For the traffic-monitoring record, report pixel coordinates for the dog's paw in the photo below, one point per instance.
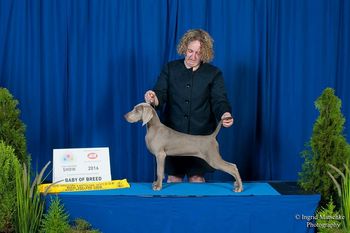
(156, 186)
(238, 187)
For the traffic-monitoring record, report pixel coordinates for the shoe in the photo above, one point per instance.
(196, 179)
(174, 179)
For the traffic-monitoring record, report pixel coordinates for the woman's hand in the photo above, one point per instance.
(227, 119)
(151, 98)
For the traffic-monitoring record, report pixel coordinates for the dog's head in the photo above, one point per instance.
(141, 112)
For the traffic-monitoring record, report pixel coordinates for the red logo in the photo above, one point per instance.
(92, 156)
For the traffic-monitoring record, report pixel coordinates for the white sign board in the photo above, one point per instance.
(80, 165)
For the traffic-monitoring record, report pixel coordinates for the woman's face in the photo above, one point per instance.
(193, 54)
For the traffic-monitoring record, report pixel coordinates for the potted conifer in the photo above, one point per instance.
(326, 146)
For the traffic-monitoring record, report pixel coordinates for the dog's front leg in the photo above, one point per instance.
(160, 158)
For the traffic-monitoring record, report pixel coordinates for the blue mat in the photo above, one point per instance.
(186, 190)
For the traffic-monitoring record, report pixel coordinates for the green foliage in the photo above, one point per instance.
(56, 219)
(345, 199)
(326, 146)
(12, 130)
(328, 219)
(30, 204)
(344, 193)
(82, 226)
(8, 161)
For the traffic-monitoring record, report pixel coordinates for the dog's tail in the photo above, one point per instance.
(218, 127)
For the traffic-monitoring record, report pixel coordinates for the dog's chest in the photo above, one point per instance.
(150, 140)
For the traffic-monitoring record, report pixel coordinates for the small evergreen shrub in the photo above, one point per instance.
(82, 226)
(328, 219)
(12, 129)
(56, 219)
(8, 161)
(326, 146)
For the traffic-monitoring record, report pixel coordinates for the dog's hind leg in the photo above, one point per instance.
(160, 158)
(230, 168)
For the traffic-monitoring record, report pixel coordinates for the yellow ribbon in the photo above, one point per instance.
(58, 188)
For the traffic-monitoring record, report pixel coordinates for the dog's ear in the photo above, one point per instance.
(147, 115)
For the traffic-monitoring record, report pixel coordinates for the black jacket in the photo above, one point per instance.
(193, 101)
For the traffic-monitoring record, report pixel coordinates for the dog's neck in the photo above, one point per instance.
(155, 121)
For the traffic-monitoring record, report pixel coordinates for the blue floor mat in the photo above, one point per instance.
(185, 190)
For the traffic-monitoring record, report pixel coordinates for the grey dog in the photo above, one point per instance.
(162, 141)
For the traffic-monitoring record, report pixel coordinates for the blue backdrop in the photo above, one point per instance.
(78, 66)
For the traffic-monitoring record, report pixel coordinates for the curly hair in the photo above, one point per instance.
(207, 52)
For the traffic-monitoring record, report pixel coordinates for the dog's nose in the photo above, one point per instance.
(126, 117)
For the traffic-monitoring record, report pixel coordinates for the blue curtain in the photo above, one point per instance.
(78, 66)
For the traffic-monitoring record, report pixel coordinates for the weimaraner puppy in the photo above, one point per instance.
(162, 141)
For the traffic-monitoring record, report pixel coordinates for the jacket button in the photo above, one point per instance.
(186, 116)
(187, 101)
(188, 85)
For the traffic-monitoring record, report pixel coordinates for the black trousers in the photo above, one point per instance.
(186, 165)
